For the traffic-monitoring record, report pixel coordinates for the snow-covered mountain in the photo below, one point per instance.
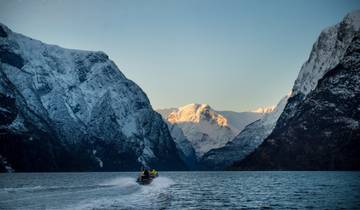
(245, 142)
(319, 128)
(240, 120)
(206, 128)
(326, 53)
(65, 109)
(265, 109)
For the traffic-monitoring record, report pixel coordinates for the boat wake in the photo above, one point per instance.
(119, 182)
(127, 194)
(113, 193)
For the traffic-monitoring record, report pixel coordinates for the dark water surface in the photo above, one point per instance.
(182, 190)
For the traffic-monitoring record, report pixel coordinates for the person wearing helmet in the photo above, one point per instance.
(146, 174)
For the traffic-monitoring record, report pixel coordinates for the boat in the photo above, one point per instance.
(146, 180)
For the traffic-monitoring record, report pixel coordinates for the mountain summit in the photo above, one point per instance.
(202, 126)
(206, 128)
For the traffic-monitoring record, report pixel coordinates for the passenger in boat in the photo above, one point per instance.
(146, 174)
(153, 173)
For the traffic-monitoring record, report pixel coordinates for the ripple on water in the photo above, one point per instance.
(182, 190)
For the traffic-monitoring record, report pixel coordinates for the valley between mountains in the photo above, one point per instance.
(74, 110)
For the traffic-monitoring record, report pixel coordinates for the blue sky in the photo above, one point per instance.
(233, 55)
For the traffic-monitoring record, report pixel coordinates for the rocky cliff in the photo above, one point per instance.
(73, 110)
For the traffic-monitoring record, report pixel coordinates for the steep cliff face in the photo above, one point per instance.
(323, 131)
(245, 142)
(326, 53)
(65, 109)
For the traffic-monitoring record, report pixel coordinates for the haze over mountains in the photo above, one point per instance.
(73, 110)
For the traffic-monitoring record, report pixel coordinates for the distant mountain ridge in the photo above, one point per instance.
(245, 142)
(264, 110)
(206, 128)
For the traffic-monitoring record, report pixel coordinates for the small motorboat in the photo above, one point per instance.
(146, 177)
(144, 181)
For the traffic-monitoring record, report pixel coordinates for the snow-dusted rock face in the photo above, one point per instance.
(326, 53)
(206, 128)
(245, 142)
(324, 131)
(76, 105)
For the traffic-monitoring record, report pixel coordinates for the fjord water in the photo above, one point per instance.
(181, 190)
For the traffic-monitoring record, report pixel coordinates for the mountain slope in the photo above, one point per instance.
(184, 146)
(245, 142)
(319, 129)
(326, 53)
(68, 109)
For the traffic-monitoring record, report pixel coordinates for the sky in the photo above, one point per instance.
(231, 54)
